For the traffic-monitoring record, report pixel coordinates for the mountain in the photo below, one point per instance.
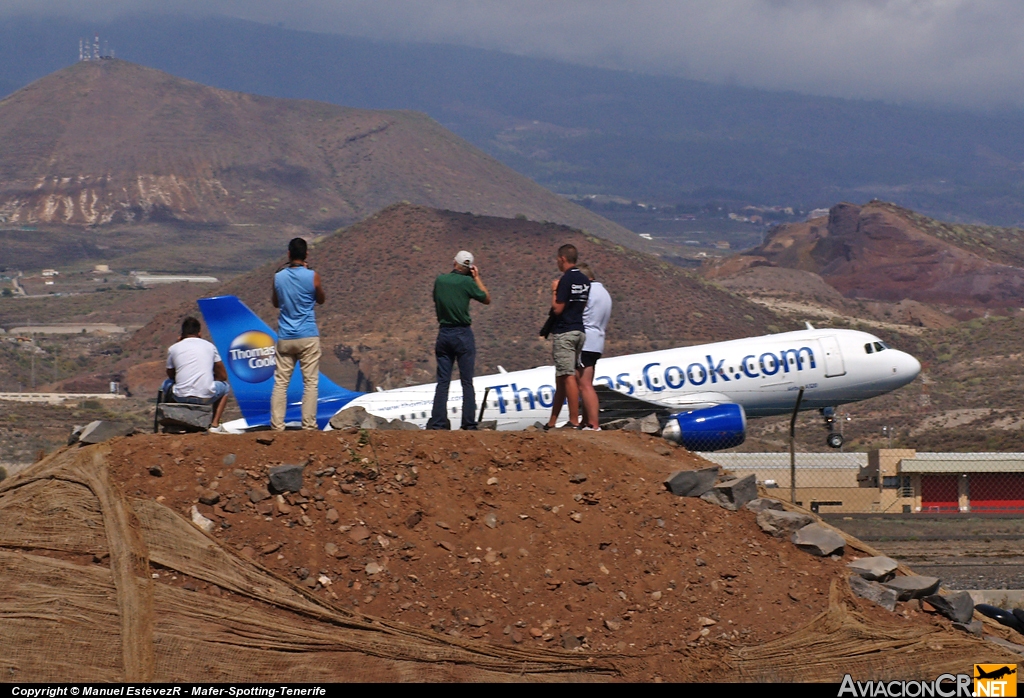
(579, 130)
(108, 143)
(379, 317)
(886, 253)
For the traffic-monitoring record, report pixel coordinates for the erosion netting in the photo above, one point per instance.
(78, 601)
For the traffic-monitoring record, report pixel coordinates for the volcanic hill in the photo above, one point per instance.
(378, 276)
(109, 142)
(886, 253)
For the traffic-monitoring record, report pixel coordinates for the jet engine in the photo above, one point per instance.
(708, 429)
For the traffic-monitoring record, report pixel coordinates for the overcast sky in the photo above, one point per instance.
(959, 52)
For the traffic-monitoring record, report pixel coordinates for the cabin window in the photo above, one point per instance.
(402, 417)
(423, 415)
(640, 383)
(453, 410)
(868, 349)
(655, 381)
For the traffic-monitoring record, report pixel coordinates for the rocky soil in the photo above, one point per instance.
(559, 538)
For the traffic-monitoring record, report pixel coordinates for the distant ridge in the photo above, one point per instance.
(111, 142)
(882, 252)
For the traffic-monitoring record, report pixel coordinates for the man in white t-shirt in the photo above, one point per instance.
(197, 372)
(595, 319)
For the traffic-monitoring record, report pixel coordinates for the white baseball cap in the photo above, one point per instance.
(464, 258)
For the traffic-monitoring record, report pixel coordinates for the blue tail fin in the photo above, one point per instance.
(246, 346)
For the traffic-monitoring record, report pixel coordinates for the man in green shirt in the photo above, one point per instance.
(455, 343)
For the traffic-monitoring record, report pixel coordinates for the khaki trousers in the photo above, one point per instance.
(307, 352)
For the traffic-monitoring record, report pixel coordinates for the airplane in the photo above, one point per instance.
(995, 673)
(703, 394)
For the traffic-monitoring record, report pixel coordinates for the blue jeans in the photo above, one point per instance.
(220, 389)
(454, 344)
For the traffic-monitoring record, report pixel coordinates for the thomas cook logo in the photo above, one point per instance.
(251, 356)
(995, 680)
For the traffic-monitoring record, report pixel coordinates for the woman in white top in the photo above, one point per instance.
(595, 320)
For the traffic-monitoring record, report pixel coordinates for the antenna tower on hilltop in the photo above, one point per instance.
(90, 51)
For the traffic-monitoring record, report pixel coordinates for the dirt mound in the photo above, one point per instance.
(379, 317)
(445, 556)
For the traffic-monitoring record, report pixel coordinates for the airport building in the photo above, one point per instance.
(892, 481)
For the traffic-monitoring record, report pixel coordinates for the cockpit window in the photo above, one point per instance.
(879, 346)
(868, 349)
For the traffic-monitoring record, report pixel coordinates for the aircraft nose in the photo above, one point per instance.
(906, 367)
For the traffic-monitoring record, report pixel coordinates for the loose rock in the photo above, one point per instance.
(182, 417)
(650, 424)
(349, 418)
(780, 524)
(201, 522)
(691, 483)
(570, 641)
(732, 494)
(286, 478)
(818, 540)
(763, 503)
(359, 534)
(913, 587)
(975, 627)
(878, 568)
(957, 606)
(873, 591)
(156, 471)
(99, 431)
(209, 497)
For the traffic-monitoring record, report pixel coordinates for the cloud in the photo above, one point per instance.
(959, 52)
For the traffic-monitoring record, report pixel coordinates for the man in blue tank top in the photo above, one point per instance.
(296, 290)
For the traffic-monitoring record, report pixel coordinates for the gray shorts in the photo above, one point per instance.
(566, 348)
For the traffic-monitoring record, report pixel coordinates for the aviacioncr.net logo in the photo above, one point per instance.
(252, 357)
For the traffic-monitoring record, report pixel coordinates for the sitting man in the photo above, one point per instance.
(197, 373)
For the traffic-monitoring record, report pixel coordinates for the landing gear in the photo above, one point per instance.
(834, 438)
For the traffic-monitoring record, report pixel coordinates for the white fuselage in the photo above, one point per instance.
(763, 374)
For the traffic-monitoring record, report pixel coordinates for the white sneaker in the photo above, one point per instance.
(590, 428)
(219, 429)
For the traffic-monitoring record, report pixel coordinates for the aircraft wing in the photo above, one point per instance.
(616, 405)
